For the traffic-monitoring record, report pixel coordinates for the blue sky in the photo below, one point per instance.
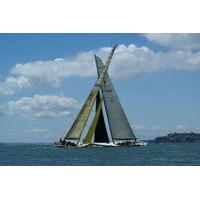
(45, 78)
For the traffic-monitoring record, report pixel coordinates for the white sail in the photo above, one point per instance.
(118, 122)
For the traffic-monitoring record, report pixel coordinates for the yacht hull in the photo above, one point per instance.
(95, 144)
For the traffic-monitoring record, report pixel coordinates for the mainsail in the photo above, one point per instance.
(118, 122)
(78, 126)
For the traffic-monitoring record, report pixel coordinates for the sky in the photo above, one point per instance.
(45, 79)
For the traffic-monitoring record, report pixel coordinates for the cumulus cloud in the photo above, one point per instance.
(176, 40)
(12, 84)
(40, 106)
(128, 61)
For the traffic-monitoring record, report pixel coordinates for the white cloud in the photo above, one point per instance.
(54, 71)
(40, 107)
(176, 40)
(12, 84)
(132, 60)
(128, 61)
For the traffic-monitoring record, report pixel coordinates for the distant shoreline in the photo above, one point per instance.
(178, 138)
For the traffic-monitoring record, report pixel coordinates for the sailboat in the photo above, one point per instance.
(120, 134)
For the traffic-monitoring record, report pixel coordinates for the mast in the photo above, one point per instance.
(79, 124)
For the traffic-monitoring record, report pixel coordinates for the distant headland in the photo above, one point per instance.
(179, 137)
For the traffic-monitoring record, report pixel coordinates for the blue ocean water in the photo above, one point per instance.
(47, 154)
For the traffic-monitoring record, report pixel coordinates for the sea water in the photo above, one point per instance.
(47, 154)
